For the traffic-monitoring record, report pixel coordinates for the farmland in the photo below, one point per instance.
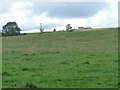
(75, 59)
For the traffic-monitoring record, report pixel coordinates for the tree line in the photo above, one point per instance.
(12, 29)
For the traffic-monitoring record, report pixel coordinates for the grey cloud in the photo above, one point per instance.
(69, 9)
(61, 9)
(49, 26)
(45, 26)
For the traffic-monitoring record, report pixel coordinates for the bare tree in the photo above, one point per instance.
(41, 28)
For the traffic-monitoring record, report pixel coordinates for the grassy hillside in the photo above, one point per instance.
(61, 59)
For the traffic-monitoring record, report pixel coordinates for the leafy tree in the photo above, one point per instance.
(68, 27)
(54, 30)
(10, 29)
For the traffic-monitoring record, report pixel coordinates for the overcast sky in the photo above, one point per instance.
(29, 15)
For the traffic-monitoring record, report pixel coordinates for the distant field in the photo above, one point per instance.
(61, 60)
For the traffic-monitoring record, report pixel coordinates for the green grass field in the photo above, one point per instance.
(86, 59)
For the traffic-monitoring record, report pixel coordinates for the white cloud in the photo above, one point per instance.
(103, 18)
(19, 12)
